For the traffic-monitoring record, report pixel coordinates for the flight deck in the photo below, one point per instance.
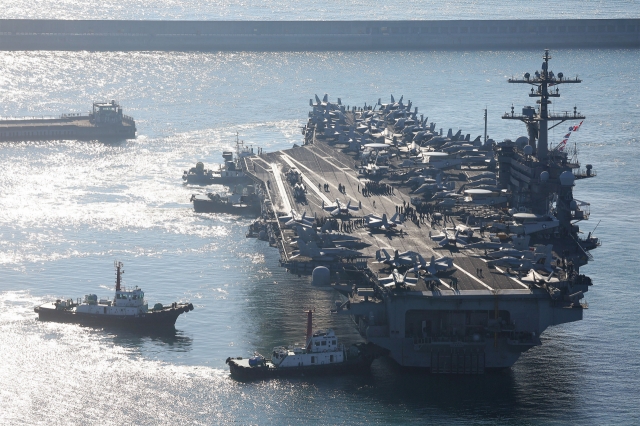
(320, 164)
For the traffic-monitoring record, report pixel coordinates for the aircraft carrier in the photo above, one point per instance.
(452, 254)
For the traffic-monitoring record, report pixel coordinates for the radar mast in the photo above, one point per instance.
(537, 121)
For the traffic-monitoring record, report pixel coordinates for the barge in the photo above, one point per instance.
(105, 122)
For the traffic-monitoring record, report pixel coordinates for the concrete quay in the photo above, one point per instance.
(130, 35)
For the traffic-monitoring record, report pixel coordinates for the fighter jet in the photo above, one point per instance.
(544, 257)
(419, 180)
(483, 175)
(464, 228)
(445, 238)
(488, 245)
(398, 260)
(325, 238)
(515, 263)
(319, 103)
(339, 208)
(447, 203)
(434, 266)
(536, 278)
(374, 222)
(312, 250)
(507, 252)
(295, 218)
(399, 280)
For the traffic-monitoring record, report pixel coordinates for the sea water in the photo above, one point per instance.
(68, 209)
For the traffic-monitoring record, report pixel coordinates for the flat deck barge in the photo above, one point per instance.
(106, 121)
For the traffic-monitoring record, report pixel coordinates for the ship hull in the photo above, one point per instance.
(231, 181)
(207, 179)
(63, 129)
(241, 370)
(209, 206)
(152, 320)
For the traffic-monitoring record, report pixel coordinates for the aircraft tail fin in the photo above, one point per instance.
(302, 234)
(386, 254)
(304, 249)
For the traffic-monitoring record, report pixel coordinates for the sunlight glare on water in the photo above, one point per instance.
(317, 10)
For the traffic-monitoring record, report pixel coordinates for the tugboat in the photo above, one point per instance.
(244, 201)
(320, 355)
(231, 173)
(198, 175)
(128, 309)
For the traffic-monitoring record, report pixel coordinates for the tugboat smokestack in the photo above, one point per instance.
(309, 325)
(119, 273)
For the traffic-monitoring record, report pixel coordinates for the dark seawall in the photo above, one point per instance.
(113, 35)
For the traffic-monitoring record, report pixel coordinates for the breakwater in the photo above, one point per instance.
(125, 35)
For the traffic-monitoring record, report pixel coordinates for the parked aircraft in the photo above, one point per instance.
(295, 218)
(398, 260)
(339, 208)
(434, 266)
(444, 238)
(399, 280)
(312, 250)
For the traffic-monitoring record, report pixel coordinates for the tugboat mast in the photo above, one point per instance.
(537, 122)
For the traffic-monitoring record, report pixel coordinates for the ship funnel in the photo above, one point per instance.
(119, 273)
(309, 325)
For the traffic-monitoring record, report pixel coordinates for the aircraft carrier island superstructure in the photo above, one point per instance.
(105, 121)
(452, 254)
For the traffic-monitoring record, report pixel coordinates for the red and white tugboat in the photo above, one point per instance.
(128, 310)
(320, 355)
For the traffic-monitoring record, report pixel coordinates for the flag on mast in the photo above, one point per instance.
(563, 144)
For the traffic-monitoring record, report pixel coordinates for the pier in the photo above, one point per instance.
(129, 35)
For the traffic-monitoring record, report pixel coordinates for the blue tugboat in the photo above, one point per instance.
(128, 310)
